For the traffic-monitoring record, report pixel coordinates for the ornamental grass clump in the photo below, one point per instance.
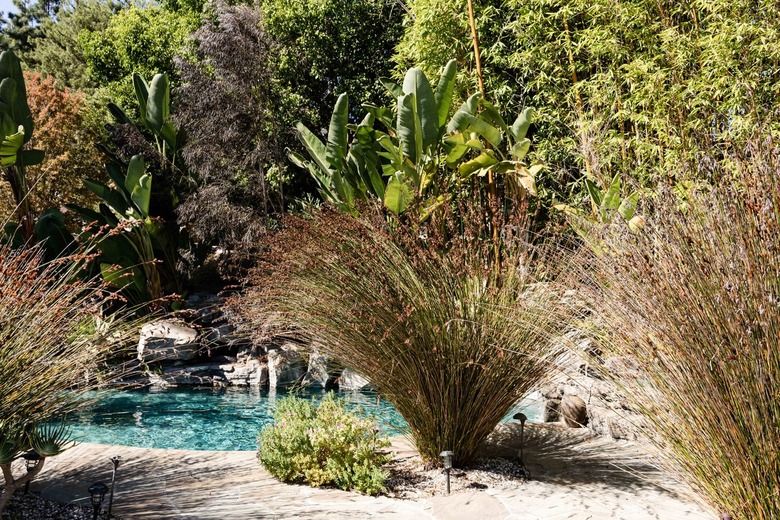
(53, 347)
(323, 446)
(452, 344)
(692, 305)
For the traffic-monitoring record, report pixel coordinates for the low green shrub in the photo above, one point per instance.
(326, 445)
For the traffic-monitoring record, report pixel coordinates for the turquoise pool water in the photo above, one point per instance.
(209, 418)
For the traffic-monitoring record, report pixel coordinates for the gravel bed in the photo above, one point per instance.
(410, 479)
(33, 507)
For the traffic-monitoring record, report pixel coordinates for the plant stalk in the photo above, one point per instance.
(491, 180)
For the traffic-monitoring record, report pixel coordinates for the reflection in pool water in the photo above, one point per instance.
(202, 418)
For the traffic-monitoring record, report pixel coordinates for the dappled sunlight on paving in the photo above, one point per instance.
(574, 476)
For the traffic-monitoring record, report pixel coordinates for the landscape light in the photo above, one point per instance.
(446, 458)
(31, 460)
(522, 418)
(96, 493)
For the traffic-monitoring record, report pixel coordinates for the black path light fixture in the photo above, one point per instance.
(97, 492)
(31, 461)
(522, 418)
(446, 459)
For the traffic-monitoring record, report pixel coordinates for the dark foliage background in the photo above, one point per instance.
(223, 106)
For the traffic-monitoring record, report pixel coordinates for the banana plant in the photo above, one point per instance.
(135, 253)
(154, 105)
(46, 440)
(606, 206)
(16, 127)
(415, 146)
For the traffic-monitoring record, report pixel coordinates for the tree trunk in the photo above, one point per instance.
(11, 484)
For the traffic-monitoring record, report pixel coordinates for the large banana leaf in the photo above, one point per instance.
(444, 91)
(337, 134)
(464, 122)
(158, 105)
(490, 115)
(520, 127)
(10, 146)
(520, 149)
(398, 194)
(11, 69)
(33, 157)
(482, 162)
(367, 160)
(459, 147)
(113, 198)
(628, 206)
(425, 108)
(141, 88)
(595, 195)
(407, 127)
(139, 184)
(317, 151)
(52, 231)
(392, 87)
(611, 200)
(135, 169)
(142, 193)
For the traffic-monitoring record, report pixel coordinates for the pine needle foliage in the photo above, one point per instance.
(691, 306)
(450, 347)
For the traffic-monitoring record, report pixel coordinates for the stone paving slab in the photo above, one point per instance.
(575, 476)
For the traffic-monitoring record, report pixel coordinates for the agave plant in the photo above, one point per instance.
(46, 440)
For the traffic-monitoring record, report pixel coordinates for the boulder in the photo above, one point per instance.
(248, 373)
(166, 340)
(351, 380)
(286, 366)
(251, 373)
(574, 411)
(551, 410)
(322, 372)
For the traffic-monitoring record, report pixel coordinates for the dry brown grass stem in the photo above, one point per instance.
(692, 305)
(53, 341)
(451, 349)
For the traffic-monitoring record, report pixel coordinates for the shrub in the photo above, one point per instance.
(448, 344)
(327, 445)
(691, 304)
(51, 351)
(70, 155)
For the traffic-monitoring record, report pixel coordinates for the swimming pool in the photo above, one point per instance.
(205, 418)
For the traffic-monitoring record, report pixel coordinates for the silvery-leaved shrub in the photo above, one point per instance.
(325, 445)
